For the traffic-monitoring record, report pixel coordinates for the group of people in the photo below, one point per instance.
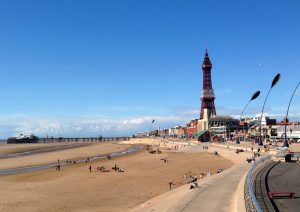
(58, 165)
(205, 147)
(70, 161)
(194, 182)
(102, 169)
(238, 151)
(117, 169)
(219, 171)
(164, 159)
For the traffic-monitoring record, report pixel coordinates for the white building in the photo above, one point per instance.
(292, 131)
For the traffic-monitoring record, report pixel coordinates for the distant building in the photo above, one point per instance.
(224, 126)
(141, 134)
(163, 133)
(22, 138)
(266, 121)
(191, 128)
(153, 133)
(172, 132)
(287, 122)
(182, 132)
(292, 131)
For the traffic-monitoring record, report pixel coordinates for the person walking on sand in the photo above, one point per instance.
(170, 184)
(90, 168)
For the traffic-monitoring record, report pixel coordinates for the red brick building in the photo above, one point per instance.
(191, 128)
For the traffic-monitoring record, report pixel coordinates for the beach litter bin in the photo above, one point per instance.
(288, 158)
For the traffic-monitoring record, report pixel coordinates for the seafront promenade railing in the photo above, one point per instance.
(91, 139)
(251, 202)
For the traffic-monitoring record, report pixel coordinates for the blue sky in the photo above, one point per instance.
(84, 68)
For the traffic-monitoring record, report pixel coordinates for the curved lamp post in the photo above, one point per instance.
(254, 96)
(287, 113)
(274, 82)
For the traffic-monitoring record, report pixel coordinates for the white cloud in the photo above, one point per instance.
(83, 126)
(118, 126)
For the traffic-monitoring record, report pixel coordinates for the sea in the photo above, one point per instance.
(2, 141)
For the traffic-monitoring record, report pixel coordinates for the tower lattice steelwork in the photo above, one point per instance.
(207, 94)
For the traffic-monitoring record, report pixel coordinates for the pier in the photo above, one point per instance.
(90, 139)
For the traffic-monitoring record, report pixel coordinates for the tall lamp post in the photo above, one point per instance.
(152, 127)
(287, 113)
(254, 96)
(274, 82)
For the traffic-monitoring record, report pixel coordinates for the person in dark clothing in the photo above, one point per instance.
(170, 184)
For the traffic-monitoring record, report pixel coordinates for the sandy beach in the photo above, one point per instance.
(74, 188)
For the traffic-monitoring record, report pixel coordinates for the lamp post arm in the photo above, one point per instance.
(287, 113)
(262, 111)
(244, 110)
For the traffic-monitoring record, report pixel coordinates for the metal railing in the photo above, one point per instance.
(251, 203)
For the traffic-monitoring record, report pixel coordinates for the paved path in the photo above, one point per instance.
(219, 194)
(216, 193)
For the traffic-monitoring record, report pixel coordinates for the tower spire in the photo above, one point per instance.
(207, 94)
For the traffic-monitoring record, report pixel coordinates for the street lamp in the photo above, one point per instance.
(254, 96)
(274, 82)
(287, 113)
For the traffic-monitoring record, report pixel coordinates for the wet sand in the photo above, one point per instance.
(74, 188)
(41, 149)
(15, 148)
(52, 157)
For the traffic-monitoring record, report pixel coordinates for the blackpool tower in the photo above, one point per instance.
(207, 94)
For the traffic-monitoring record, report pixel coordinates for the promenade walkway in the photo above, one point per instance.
(216, 193)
